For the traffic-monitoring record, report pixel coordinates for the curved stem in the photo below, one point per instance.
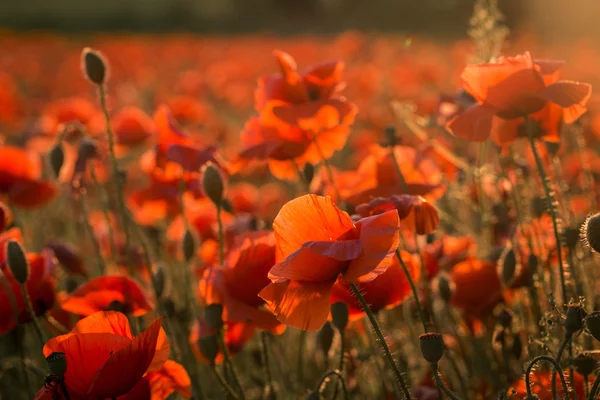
(36, 324)
(381, 339)
(559, 353)
(323, 383)
(229, 364)
(594, 388)
(414, 290)
(224, 383)
(440, 383)
(549, 199)
(265, 349)
(556, 365)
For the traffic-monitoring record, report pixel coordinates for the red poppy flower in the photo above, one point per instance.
(541, 385)
(159, 385)
(104, 359)
(514, 88)
(132, 126)
(108, 293)
(75, 109)
(237, 334)
(40, 287)
(386, 291)
(317, 242)
(237, 283)
(415, 213)
(477, 286)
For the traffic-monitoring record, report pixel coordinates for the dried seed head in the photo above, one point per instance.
(189, 245)
(209, 347)
(574, 321)
(508, 266)
(585, 363)
(57, 363)
(94, 65)
(592, 322)
(308, 172)
(339, 315)
(212, 183)
(444, 286)
(17, 261)
(590, 232)
(213, 314)
(325, 337)
(432, 347)
(57, 158)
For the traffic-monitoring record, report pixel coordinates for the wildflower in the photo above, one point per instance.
(477, 286)
(511, 89)
(317, 242)
(541, 386)
(132, 127)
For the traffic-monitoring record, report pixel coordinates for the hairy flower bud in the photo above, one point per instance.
(212, 182)
(444, 287)
(17, 261)
(590, 232)
(592, 322)
(57, 158)
(209, 347)
(585, 363)
(94, 66)
(188, 245)
(325, 337)
(574, 321)
(339, 315)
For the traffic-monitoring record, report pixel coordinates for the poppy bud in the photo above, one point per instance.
(507, 266)
(17, 262)
(432, 347)
(57, 363)
(94, 66)
(592, 322)
(227, 206)
(571, 236)
(390, 136)
(189, 245)
(325, 337)
(574, 319)
(309, 172)
(213, 314)
(585, 363)
(532, 263)
(590, 232)
(159, 280)
(57, 158)
(444, 286)
(505, 317)
(209, 347)
(212, 182)
(339, 315)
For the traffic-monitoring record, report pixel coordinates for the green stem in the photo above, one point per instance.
(229, 364)
(549, 199)
(426, 287)
(93, 238)
(224, 383)
(301, 175)
(559, 353)
(328, 169)
(342, 359)
(265, 350)
(414, 290)
(323, 383)
(65, 392)
(586, 386)
(221, 237)
(301, 345)
(381, 339)
(556, 366)
(440, 383)
(117, 179)
(594, 388)
(38, 328)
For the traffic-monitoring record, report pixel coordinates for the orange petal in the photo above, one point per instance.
(571, 96)
(474, 124)
(550, 69)
(379, 238)
(308, 218)
(161, 355)
(31, 193)
(172, 377)
(302, 305)
(504, 131)
(104, 322)
(125, 367)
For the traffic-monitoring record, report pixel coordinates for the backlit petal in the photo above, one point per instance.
(474, 124)
(104, 322)
(571, 96)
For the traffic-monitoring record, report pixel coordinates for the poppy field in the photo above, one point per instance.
(358, 216)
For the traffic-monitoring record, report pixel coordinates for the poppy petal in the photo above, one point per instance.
(379, 237)
(104, 322)
(474, 124)
(125, 367)
(550, 69)
(571, 96)
(505, 131)
(161, 355)
(31, 193)
(302, 305)
(172, 377)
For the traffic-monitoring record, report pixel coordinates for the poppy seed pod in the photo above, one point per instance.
(213, 314)
(432, 347)
(339, 315)
(17, 261)
(57, 363)
(592, 322)
(308, 172)
(57, 158)
(444, 286)
(209, 347)
(94, 66)
(189, 245)
(212, 182)
(590, 232)
(325, 337)
(507, 266)
(585, 363)
(574, 319)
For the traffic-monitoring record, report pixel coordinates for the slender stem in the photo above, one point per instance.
(323, 383)
(556, 366)
(301, 345)
(559, 353)
(440, 383)
(117, 178)
(90, 231)
(328, 169)
(65, 392)
(224, 383)
(228, 363)
(586, 386)
(301, 175)
(414, 290)
(594, 388)
(549, 197)
(426, 287)
(105, 208)
(401, 178)
(381, 339)
(221, 236)
(36, 324)
(342, 359)
(265, 350)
